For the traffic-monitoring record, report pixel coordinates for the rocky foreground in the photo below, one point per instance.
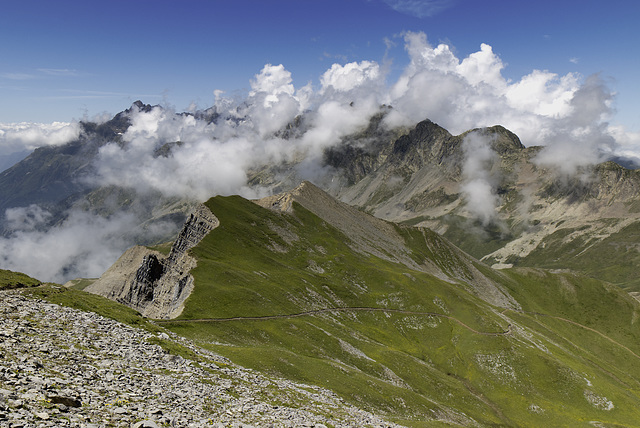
(60, 367)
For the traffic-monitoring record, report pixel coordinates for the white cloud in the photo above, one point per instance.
(18, 76)
(344, 78)
(419, 8)
(16, 137)
(272, 102)
(628, 143)
(26, 218)
(459, 94)
(272, 80)
(478, 185)
(335, 119)
(59, 72)
(83, 245)
(566, 113)
(543, 108)
(209, 160)
(483, 67)
(543, 93)
(581, 137)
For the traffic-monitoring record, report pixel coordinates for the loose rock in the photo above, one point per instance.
(62, 367)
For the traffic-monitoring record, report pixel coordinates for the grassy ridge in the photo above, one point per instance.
(426, 359)
(10, 280)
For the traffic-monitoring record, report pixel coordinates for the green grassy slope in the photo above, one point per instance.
(615, 258)
(285, 294)
(10, 279)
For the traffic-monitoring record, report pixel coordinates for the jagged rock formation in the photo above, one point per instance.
(154, 285)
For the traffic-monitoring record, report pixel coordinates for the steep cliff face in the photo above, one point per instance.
(154, 285)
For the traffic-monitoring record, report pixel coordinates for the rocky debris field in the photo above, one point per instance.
(60, 367)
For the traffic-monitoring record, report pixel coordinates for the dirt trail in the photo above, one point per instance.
(576, 324)
(339, 309)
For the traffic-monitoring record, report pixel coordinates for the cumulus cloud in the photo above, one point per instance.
(483, 67)
(582, 137)
(15, 137)
(543, 93)
(543, 108)
(565, 113)
(195, 165)
(206, 159)
(345, 78)
(472, 92)
(273, 102)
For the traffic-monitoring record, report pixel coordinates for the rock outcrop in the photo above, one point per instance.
(154, 285)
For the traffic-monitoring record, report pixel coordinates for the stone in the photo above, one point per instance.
(145, 424)
(65, 401)
(42, 415)
(154, 285)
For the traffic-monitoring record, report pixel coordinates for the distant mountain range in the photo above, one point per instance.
(529, 214)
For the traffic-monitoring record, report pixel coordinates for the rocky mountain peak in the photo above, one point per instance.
(426, 141)
(145, 108)
(502, 140)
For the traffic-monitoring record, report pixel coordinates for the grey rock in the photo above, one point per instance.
(65, 401)
(145, 424)
(152, 284)
(42, 415)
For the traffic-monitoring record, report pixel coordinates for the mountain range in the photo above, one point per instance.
(434, 279)
(483, 190)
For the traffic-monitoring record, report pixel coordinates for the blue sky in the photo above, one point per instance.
(61, 60)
